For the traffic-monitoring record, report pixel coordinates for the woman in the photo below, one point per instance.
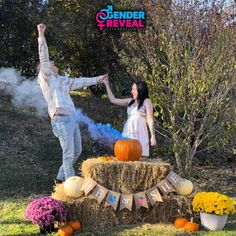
(140, 113)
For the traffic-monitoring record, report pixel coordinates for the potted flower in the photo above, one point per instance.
(45, 212)
(213, 208)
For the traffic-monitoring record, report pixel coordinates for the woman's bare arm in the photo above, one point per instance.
(113, 99)
(149, 109)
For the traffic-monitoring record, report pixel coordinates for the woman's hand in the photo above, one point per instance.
(153, 141)
(103, 78)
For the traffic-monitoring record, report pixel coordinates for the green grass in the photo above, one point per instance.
(11, 218)
(12, 223)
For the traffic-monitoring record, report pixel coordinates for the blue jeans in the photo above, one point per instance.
(66, 129)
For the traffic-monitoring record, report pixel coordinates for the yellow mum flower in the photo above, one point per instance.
(213, 202)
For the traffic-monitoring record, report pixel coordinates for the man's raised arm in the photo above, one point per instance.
(43, 51)
(78, 83)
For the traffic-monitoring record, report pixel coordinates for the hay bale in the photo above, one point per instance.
(59, 193)
(125, 177)
(92, 215)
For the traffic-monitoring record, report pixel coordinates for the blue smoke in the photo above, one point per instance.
(102, 133)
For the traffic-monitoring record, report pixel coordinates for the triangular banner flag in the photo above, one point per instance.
(88, 185)
(165, 187)
(173, 178)
(126, 201)
(154, 195)
(99, 193)
(112, 199)
(140, 200)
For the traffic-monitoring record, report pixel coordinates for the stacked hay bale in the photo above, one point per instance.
(123, 177)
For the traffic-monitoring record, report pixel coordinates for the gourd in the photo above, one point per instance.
(105, 158)
(65, 230)
(191, 227)
(180, 222)
(72, 186)
(184, 187)
(75, 225)
(128, 150)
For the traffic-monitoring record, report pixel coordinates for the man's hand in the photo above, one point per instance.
(41, 29)
(103, 78)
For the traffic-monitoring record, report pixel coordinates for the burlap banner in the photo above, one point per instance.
(154, 195)
(165, 187)
(113, 199)
(173, 178)
(126, 201)
(140, 199)
(99, 193)
(88, 186)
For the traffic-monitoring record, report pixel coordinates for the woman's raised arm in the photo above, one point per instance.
(113, 99)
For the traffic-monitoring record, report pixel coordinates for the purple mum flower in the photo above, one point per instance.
(45, 211)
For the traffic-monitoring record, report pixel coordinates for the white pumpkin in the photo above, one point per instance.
(184, 187)
(72, 186)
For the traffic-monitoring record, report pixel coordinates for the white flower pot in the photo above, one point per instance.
(212, 221)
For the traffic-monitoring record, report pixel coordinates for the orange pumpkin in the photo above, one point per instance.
(191, 227)
(180, 222)
(128, 150)
(65, 230)
(75, 225)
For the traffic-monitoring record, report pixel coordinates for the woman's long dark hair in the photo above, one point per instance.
(142, 89)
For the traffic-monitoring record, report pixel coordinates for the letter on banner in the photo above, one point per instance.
(140, 200)
(88, 185)
(112, 199)
(165, 187)
(99, 193)
(154, 195)
(126, 201)
(173, 178)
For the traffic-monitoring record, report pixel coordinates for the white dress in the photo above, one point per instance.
(136, 127)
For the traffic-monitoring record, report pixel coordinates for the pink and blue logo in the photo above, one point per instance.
(107, 18)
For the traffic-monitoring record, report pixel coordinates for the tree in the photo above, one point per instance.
(18, 48)
(74, 41)
(187, 56)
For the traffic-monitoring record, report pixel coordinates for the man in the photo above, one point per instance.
(61, 108)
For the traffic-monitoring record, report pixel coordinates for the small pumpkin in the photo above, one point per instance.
(180, 222)
(65, 230)
(191, 227)
(72, 186)
(128, 150)
(105, 158)
(75, 225)
(184, 187)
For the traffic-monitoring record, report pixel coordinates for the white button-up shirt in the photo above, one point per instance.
(56, 88)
